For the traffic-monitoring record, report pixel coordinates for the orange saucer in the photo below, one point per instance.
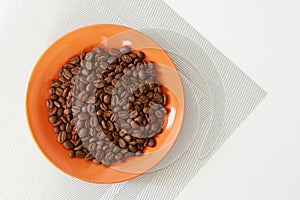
(47, 68)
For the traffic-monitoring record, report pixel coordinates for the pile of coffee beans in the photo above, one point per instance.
(107, 105)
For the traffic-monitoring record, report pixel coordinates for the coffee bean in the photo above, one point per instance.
(80, 154)
(126, 58)
(139, 119)
(74, 60)
(140, 55)
(152, 142)
(72, 153)
(62, 127)
(103, 125)
(142, 75)
(132, 148)
(53, 119)
(49, 103)
(83, 116)
(55, 83)
(125, 50)
(57, 104)
(68, 145)
(122, 143)
(83, 133)
(52, 111)
(62, 136)
(110, 126)
(56, 129)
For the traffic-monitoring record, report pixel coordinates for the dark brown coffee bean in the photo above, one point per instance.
(56, 129)
(51, 90)
(49, 103)
(72, 153)
(141, 55)
(53, 97)
(75, 137)
(106, 99)
(59, 112)
(53, 119)
(80, 154)
(62, 136)
(52, 111)
(79, 147)
(139, 119)
(152, 142)
(127, 138)
(110, 126)
(132, 148)
(103, 125)
(89, 156)
(62, 127)
(57, 104)
(139, 141)
(103, 106)
(55, 83)
(126, 58)
(133, 114)
(68, 145)
(77, 142)
(58, 123)
(74, 60)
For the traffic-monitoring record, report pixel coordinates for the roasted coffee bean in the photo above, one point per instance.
(152, 142)
(52, 111)
(83, 116)
(77, 142)
(62, 136)
(142, 75)
(49, 103)
(59, 112)
(83, 133)
(56, 129)
(55, 83)
(74, 60)
(125, 50)
(72, 153)
(103, 125)
(140, 55)
(126, 58)
(89, 157)
(80, 154)
(132, 148)
(122, 143)
(53, 119)
(57, 104)
(68, 145)
(62, 127)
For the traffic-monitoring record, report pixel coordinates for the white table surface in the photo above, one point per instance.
(261, 159)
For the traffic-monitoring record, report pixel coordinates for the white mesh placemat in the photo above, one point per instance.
(226, 96)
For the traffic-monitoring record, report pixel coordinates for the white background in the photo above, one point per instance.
(261, 160)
